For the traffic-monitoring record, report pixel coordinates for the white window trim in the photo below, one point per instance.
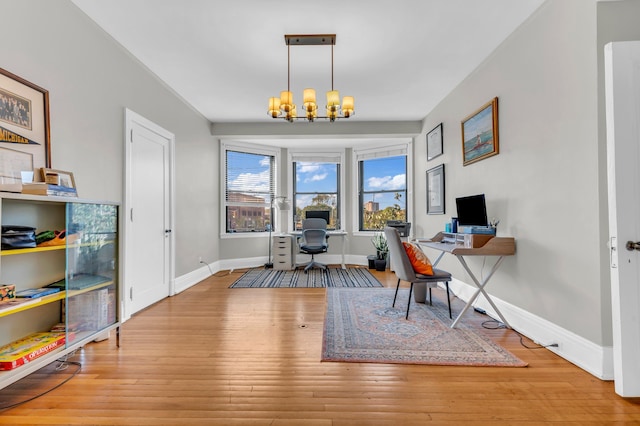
(320, 156)
(380, 152)
(251, 149)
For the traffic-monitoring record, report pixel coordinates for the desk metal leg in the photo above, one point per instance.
(480, 289)
(435, 263)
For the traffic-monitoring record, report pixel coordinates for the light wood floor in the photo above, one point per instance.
(219, 356)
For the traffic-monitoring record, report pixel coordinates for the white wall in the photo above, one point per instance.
(543, 186)
(91, 80)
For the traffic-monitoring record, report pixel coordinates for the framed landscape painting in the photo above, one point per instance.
(480, 133)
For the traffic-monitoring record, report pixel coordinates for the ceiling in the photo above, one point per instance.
(398, 58)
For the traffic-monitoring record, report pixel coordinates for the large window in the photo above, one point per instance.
(316, 183)
(249, 183)
(382, 181)
(316, 188)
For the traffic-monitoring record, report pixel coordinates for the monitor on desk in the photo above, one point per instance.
(318, 214)
(472, 211)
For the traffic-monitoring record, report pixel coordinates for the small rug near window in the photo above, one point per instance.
(361, 326)
(315, 278)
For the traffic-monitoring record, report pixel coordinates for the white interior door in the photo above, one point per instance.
(622, 79)
(148, 214)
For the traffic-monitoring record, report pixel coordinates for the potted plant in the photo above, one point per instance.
(382, 250)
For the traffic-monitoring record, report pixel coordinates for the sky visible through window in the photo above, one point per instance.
(251, 172)
(248, 172)
(385, 174)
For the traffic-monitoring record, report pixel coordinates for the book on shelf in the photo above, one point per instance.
(43, 188)
(37, 292)
(12, 303)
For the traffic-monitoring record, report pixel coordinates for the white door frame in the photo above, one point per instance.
(131, 118)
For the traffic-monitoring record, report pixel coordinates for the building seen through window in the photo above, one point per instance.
(249, 186)
(316, 187)
(383, 191)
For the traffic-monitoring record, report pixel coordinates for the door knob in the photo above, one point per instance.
(631, 246)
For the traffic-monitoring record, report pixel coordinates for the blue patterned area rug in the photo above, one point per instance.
(361, 326)
(315, 278)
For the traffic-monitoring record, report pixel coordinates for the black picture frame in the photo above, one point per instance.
(435, 190)
(434, 143)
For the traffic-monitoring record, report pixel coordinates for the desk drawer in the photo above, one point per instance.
(282, 250)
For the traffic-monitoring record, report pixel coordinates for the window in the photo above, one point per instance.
(316, 185)
(382, 187)
(249, 185)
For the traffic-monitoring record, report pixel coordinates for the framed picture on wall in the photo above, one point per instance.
(24, 128)
(435, 190)
(480, 133)
(434, 142)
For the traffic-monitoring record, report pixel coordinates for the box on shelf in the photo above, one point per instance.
(29, 348)
(43, 188)
(7, 291)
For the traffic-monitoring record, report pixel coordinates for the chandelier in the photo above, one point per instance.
(283, 107)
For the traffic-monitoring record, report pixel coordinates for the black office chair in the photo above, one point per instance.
(314, 241)
(404, 270)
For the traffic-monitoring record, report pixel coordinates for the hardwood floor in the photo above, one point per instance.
(218, 356)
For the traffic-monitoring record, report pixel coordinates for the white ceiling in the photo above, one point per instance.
(398, 58)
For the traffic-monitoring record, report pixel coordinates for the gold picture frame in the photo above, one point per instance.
(58, 177)
(480, 133)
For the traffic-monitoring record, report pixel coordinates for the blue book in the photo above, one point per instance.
(37, 292)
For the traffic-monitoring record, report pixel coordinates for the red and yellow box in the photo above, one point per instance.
(7, 291)
(29, 348)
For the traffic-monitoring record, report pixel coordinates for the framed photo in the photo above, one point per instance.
(480, 133)
(24, 128)
(435, 190)
(434, 142)
(58, 177)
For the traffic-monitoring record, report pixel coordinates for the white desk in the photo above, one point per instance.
(341, 234)
(481, 245)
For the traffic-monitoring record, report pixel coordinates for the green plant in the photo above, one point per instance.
(380, 243)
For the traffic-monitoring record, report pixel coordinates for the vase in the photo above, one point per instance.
(381, 264)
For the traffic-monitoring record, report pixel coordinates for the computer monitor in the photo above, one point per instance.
(472, 210)
(318, 214)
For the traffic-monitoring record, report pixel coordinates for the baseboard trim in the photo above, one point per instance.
(596, 360)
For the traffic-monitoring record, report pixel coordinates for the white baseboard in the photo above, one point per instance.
(596, 360)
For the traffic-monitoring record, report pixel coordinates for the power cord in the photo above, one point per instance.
(494, 324)
(64, 364)
(208, 266)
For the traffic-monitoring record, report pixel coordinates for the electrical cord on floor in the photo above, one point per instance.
(64, 364)
(494, 324)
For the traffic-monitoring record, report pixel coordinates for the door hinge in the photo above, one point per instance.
(613, 252)
(130, 293)
(131, 214)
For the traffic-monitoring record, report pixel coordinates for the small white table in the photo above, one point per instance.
(480, 245)
(341, 234)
